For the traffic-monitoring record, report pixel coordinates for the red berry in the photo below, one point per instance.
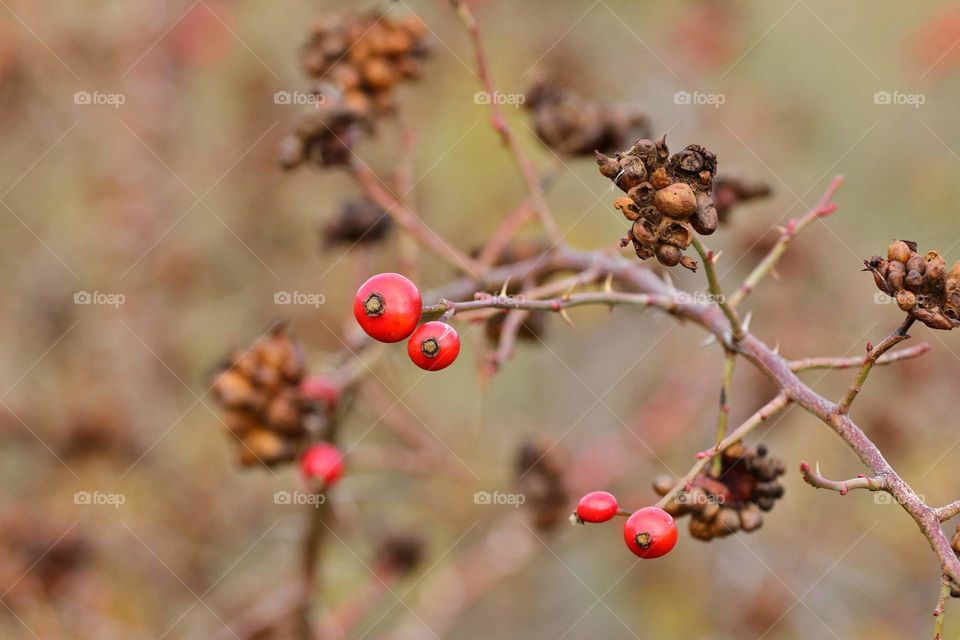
(388, 306)
(597, 506)
(321, 389)
(650, 532)
(322, 462)
(434, 346)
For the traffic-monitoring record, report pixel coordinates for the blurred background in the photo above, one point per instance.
(146, 231)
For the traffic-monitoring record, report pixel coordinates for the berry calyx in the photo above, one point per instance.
(322, 462)
(596, 506)
(387, 307)
(650, 533)
(434, 346)
(322, 390)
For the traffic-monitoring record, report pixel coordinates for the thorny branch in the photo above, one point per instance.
(648, 290)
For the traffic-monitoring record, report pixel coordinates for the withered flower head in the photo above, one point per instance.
(669, 198)
(573, 125)
(359, 221)
(920, 284)
(734, 500)
(259, 388)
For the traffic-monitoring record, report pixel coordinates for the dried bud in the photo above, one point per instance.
(609, 167)
(659, 179)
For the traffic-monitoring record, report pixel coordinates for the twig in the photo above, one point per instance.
(726, 381)
(817, 481)
(808, 364)
(709, 268)
(824, 208)
(406, 218)
(873, 354)
(503, 129)
(941, 609)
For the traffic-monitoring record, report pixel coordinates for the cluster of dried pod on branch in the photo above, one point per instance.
(733, 499)
(920, 284)
(668, 197)
(355, 62)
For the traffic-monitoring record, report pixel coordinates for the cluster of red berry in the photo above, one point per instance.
(388, 308)
(649, 532)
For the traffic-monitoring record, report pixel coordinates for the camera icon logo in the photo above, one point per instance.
(282, 297)
(481, 97)
(82, 497)
(82, 97)
(682, 97)
(482, 497)
(882, 97)
(282, 97)
(82, 297)
(282, 497)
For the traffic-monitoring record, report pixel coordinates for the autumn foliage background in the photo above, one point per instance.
(175, 201)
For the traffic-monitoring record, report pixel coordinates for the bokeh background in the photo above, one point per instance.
(174, 200)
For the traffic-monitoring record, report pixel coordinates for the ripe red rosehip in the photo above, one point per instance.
(650, 532)
(322, 462)
(322, 390)
(597, 506)
(387, 307)
(434, 346)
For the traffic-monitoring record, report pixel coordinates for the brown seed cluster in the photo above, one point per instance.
(359, 221)
(668, 197)
(325, 132)
(540, 471)
(366, 56)
(731, 190)
(356, 61)
(921, 284)
(719, 506)
(572, 125)
(265, 410)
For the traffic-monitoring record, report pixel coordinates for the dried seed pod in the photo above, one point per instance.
(642, 194)
(689, 263)
(906, 300)
(232, 389)
(643, 231)
(726, 522)
(632, 173)
(898, 252)
(609, 167)
(896, 275)
(627, 208)
(705, 220)
(663, 484)
(751, 518)
(672, 231)
(913, 281)
(676, 200)
(700, 530)
(659, 179)
(668, 254)
(266, 447)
